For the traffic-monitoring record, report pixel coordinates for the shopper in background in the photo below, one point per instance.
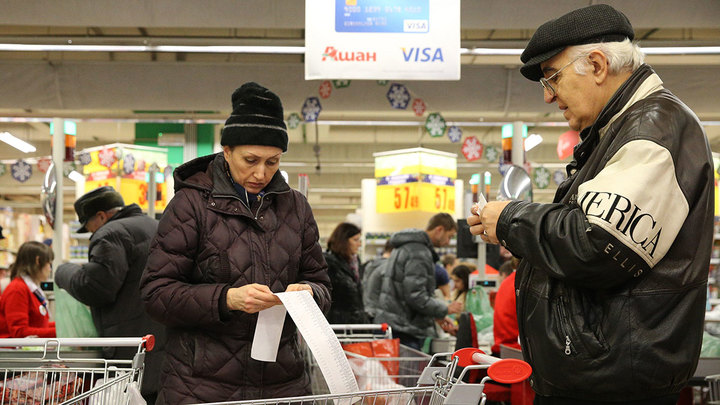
(372, 280)
(109, 283)
(460, 276)
(234, 234)
(613, 279)
(343, 269)
(407, 301)
(23, 305)
(4, 271)
(505, 322)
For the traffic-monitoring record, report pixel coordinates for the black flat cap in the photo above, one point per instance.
(101, 199)
(587, 25)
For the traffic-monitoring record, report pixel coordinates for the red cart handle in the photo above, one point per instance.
(506, 371)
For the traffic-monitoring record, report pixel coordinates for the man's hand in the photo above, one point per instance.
(455, 307)
(251, 298)
(299, 287)
(447, 325)
(484, 223)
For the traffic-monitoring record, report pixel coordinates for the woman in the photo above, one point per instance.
(234, 234)
(460, 275)
(343, 268)
(23, 305)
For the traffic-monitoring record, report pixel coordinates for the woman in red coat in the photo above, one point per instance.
(23, 306)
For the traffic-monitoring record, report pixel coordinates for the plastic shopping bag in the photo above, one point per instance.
(72, 318)
(381, 350)
(478, 303)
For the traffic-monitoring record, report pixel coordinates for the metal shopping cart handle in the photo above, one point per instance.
(506, 371)
(147, 341)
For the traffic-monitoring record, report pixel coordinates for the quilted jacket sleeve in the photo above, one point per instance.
(98, 282)
(418, 268)
(313, 268)
(166, 286)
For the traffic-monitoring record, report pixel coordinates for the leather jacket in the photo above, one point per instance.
(612, 286)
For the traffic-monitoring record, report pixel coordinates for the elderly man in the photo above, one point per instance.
(611, 288)
(109, 282)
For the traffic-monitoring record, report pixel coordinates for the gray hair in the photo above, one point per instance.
(625, 56)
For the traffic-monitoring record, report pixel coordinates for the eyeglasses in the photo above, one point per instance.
(546, 82)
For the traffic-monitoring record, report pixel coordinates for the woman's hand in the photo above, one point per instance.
(251, 298)
(300, 287)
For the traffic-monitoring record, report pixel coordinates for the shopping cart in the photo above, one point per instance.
(373, 370)
(54, 371)
(714, 386)
(437, 384)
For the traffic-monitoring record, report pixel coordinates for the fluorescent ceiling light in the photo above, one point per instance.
(299, 50)
(16, 143)
(532, 141)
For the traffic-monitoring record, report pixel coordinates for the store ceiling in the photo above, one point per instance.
(108, 92)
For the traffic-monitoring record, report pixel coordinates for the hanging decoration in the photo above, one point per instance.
(128, 163)
(455, 134)
(339, 84)
(68, 167)
(84, 158)
(294, 120)
(311, 109)
(566, 144)
(472, 148)
(418, 107)
(559, 176)
(382, 82)
(541, 177)
(168, 171)
(325, 89)
(43, 164)
(398, 96)
(3, 169)
(107, 157)
(491, 153)
(21, 171)
(435, 125)
(140, 166)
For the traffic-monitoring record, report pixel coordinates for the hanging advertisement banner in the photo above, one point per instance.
(382, 39)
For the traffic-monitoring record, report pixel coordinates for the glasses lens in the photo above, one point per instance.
(546, 85)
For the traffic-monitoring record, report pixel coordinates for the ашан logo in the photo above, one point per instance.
(348, 56)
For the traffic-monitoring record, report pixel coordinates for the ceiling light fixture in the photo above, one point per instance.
(532, 141)
(16, 143)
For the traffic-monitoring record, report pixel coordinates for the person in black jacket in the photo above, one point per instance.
(344, 271)
(109, 282)
(612, 284)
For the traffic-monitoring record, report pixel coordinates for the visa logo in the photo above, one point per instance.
(422, 55)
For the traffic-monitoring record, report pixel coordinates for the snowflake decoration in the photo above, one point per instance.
(84, 158)
(168, 171)
(129, 163)
(339, 84)
(294, 120)
(503, 167)
(455, 134)
(491, 153)
(325, 89)
(383, 82)
(140, 165)
(559, 176)
(107, 157)
(21, 171)
(472, 148)
(44, 164)
(435, 125)
(3, 169)
(67, 168)
(311, 109)
(398, 96)
(418, 107)
(541, 177)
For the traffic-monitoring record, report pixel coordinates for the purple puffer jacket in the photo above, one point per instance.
(209, 240)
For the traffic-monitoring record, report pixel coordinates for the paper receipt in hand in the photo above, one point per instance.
(480, 204)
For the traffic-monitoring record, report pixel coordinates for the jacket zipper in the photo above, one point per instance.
(563, 325)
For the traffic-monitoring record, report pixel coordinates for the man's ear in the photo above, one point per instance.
(599, 66)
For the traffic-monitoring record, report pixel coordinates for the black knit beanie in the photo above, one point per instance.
(257, 119)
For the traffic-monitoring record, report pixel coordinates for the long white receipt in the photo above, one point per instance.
(316, 332)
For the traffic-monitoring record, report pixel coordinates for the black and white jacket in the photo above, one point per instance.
(612, 286)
